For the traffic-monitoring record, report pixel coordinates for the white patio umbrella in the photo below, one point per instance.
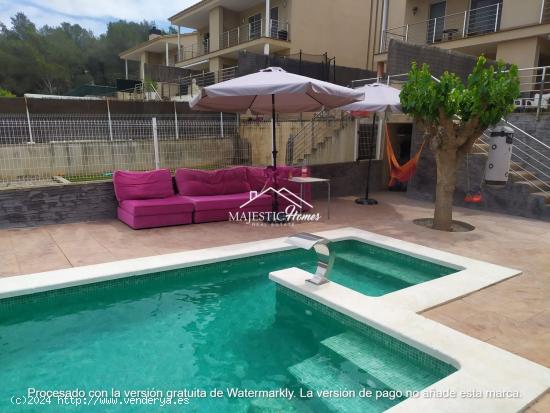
(378, 98)
(271, 91)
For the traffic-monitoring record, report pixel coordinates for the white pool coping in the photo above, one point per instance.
(481, 365)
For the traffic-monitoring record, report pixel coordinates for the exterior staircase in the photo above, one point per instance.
(319, 140)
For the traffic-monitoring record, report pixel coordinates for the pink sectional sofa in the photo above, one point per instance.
(148, 200)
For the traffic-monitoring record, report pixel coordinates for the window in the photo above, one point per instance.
(255, 26)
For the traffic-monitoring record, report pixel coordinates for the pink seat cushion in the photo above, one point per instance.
(154, 221)
(227, 202)
(192, 182)
(143, 185)
(162, 206)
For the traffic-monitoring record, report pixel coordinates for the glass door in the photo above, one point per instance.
(484, 16)
(255, 26)
(436, 24)
(274, 22)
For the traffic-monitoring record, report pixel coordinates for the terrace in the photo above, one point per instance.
(512, 315)
(440, 306)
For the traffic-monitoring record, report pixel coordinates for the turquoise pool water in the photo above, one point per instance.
(217, 327)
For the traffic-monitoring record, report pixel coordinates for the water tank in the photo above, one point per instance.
(154, 32)
(499, 155)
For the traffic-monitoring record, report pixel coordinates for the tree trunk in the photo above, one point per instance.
(447, 164)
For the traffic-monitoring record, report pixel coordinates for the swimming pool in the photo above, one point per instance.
(216, 326)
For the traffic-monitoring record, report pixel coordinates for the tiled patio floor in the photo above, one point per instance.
(514, 315)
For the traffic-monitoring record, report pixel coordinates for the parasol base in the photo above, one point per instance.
(366, 201)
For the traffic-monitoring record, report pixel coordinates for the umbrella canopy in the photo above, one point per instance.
(255, 92)
(378, 98)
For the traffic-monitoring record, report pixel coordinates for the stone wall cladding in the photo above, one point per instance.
(28, 207)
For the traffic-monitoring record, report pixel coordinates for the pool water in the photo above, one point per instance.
(217, 326)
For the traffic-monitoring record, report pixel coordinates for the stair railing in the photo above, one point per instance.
(303, 143)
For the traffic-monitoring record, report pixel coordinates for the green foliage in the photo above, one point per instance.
(6, 93)
(54, 60)
(488, 95)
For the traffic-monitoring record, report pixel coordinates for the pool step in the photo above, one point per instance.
(380, 362)
(384, 268)
(318, 373)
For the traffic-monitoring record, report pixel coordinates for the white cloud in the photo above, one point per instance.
(93, 15)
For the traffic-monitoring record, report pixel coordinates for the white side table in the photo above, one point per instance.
(312, 180)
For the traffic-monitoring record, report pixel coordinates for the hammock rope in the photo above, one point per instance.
(401, 173)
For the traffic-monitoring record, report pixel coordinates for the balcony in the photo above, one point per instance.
(278, 30)
(473, 22)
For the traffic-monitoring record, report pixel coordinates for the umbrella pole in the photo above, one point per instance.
(366, 200)
(275, 206)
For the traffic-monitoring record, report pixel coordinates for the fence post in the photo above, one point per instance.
(406, 35)
(31, 140)
(109, 118)
(221, 124)
(541, 91)
(435, 29)
(464, 23)
(176, 121)
(156, 144)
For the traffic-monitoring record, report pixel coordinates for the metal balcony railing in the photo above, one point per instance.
(252, 31)
(473, 22)
(195, 50)
(247, 32)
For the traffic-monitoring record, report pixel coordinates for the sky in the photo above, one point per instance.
(92, 14)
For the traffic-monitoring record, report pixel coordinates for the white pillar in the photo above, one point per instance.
(179, 43)
(384, 26)
(126, 68)
(267, 18)
(167, 57)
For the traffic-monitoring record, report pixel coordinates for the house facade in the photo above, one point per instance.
(346, 29)
(159, 49)
(514, 31)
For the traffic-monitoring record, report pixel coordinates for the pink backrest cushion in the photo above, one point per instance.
(257, 177)
(143, 185)
(193, 182)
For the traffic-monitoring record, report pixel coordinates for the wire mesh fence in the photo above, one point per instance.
(58, 149)
(55, 149)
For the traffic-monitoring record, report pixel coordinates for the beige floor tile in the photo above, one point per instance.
(513, 314)
(8, 265)
(85, 252)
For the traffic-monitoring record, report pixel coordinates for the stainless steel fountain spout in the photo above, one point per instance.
(325, 259)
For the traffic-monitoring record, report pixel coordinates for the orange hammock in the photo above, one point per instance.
(401, 173)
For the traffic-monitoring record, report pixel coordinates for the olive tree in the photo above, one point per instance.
(454, 115)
